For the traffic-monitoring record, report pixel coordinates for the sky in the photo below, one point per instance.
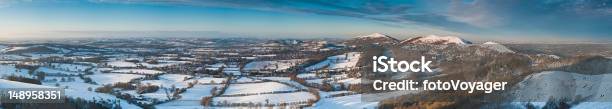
(547, 20)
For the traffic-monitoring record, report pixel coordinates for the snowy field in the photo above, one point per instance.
(159, 94)
(215, 66)
(121, 64)
(52, 71)
(74, 90)
(70, 67)
(167, 80)
(78, 89)
(344, 61)
(286, 80)
(343, 102)
(40, 55)
(12, 57)
(244, 80)
(111, 78)
(191, 98)
(270, 98)
(163, 63)
(254, 88)
(138, 71)
(9, 49)
(277, 65)
(206, 80)
(307, 75)
(14, 84)
(7, 70)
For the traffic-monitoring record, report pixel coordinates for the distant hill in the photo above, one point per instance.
(375, 38)
(434, 39)
(497, 47)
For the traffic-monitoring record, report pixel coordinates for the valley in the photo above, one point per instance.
(173, 73)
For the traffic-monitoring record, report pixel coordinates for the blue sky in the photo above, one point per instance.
(472, 19)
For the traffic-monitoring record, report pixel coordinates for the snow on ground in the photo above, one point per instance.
(343, 102)
(317, 81)
(550, 56)
(497, 47)
(277, 65)
(307, 75)
(111, 78)
(12, 57)
(159, 94)
(121, 64)
(75, 89)
(15, 49)
(7, 70)
(271, 98)
(81, 90)
(203, 80)
(191, 98)
(174, 77)
(347, 60)
(434, 39)
(167, 80)
(51, 71)
(244, 80)
(593, 105)
(197, 92)
(39, 56)
(14, 84)
(163, 63)
(70, 67)
(85, 53)
(284, 80)
(215, 66)
(137, 71)
(558, 84)
(254, 88)
(232, 70)
(374, 35)
(350, 81)
(61, 50)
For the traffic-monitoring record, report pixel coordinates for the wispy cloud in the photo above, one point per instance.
(547, 17)
(458, 15)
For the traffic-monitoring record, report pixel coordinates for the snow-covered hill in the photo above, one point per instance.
(376, 38)
(75, 90)
(587, 90)
(434, 39)
(375, 35)
(497, 47)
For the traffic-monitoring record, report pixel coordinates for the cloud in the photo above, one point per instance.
(476, 16)
(405, 13)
